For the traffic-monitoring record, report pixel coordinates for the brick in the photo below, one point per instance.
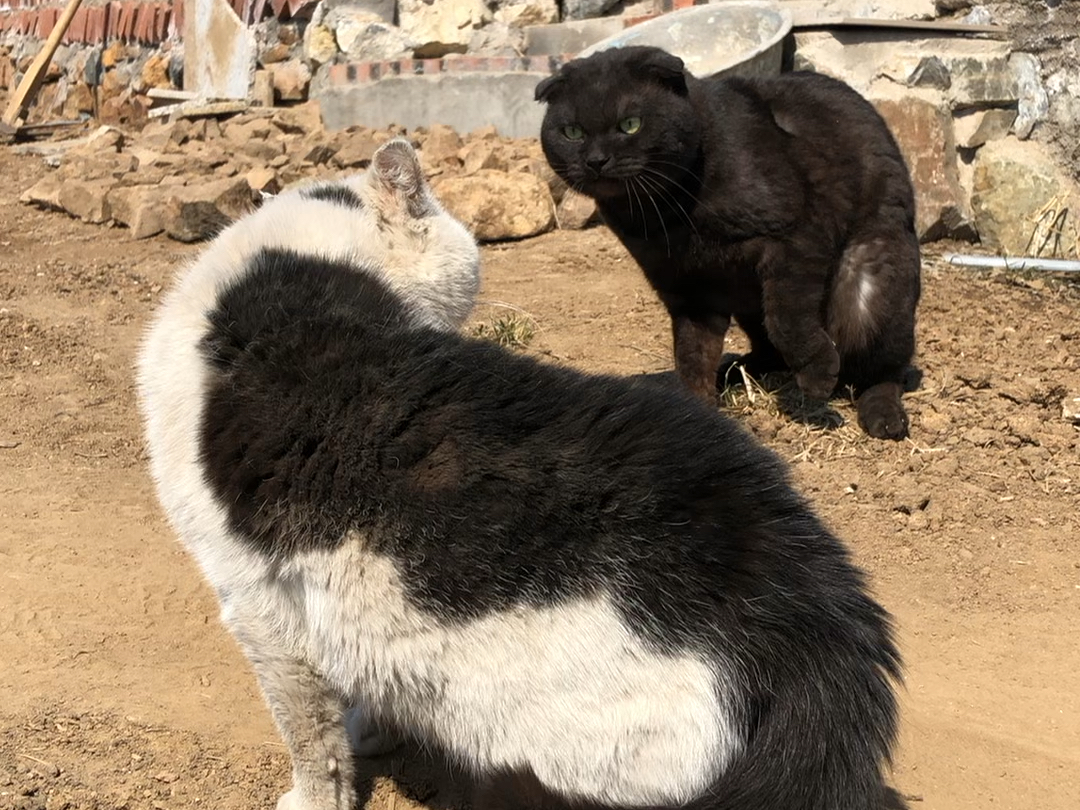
(431, 67)
(177, 17)
(77, 30)
(161, 22)
(339, 74)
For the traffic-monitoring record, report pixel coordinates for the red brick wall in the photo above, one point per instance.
(97, 21)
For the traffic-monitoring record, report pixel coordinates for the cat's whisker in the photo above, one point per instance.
(644, 220)
(659, 214)
(668, 196)
(680, 187)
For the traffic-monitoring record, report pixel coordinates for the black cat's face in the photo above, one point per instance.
(619, 123)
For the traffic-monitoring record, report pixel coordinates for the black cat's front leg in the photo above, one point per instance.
(310, 715)
(699, 349)
(793, 301)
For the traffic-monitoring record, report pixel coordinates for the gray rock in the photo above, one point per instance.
(583, 9)
(1034, 103)
(982, 81)
(930, 72)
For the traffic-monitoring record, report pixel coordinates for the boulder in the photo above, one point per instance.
(291, 80)
(923, 130)
(583, 9)
(356, 147)
(140, 208)
(45, 192)
(576, 211)
(1022, 202)
(519, 13)
(441, 28)
(87, 199)
(976, 127)
(483, 154)
(320, 46)
(155, 72)
(439, 149)
(499, 205)
(366, 36)
(1033, 103)
(200, 211)
(263, 180)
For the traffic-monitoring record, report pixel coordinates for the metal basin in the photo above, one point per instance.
(739, 38)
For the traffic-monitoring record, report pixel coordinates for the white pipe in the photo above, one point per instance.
(1014, 263)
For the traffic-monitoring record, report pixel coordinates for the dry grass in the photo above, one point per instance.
(817, 431)
(514, 329)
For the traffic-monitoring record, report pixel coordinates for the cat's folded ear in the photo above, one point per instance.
(550, 85)
(665, 68)
(396, 166)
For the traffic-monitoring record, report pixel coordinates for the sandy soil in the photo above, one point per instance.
(119, 688)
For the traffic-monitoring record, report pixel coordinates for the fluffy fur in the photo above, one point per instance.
(595, 585)
(782, 202)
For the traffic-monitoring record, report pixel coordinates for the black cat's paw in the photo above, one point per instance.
(818, 378)
(881, 413)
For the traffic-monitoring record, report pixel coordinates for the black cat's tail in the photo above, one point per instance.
(823, 722)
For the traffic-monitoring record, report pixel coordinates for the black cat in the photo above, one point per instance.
(782, 202)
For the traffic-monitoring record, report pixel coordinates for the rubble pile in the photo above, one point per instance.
(190, 178)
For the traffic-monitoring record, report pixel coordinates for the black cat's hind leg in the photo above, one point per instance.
(793, 283)
(763, 358)
(872, 320)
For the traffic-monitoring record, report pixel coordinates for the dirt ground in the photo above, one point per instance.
(120, 689)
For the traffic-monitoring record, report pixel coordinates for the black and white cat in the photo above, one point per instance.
(783, 202)
(596, 585)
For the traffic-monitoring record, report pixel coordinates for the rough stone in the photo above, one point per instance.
(87, 199)
(140, 208)
(498, 39)
(575, 211)
(291, 80)
(1034, 103)
(369, 39)
(520, 13)
(978, 82)
(441, 28)
(197, 212)
(264, 180)
(358, 145)
(974, 128)
(483, 154)
(930, 72)
(923, 131)
(319, 44)
(439, 148)
(278, 52)
(155, 72)
(499, 205)
(1015, 183)
(45, 192)
(583, 9)
(301, 119)
(262, 89)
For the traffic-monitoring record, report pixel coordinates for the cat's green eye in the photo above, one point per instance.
(573, 132)
(630, 125)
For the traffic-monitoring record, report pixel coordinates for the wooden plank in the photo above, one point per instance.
(931, 26)
(199, 108)
(30, 83)
(169, 94)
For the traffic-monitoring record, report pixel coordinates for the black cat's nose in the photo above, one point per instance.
(597, 165)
